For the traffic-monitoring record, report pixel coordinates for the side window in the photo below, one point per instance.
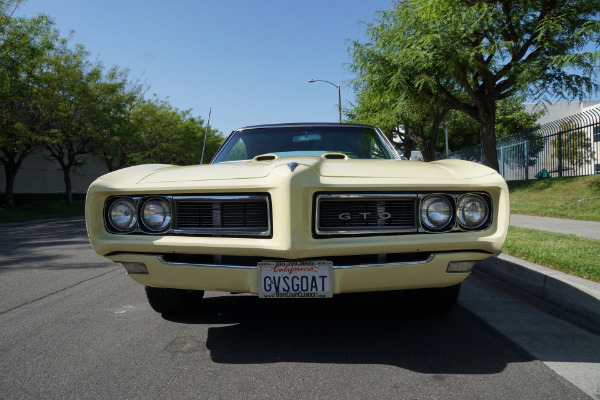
(370, 147)
(238, 152)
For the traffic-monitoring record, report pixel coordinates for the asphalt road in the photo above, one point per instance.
(73, 325)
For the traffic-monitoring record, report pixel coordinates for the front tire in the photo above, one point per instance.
(436, 300)
(174, 301)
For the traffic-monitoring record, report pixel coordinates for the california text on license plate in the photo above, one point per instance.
(295, 279)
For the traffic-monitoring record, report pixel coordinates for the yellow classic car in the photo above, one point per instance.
(299, 211)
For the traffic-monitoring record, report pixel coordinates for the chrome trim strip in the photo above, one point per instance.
(388, 144)
(372, 231)
(427, 261)
(163, 261)
(227, 197)
(243, 232)
(383, 196)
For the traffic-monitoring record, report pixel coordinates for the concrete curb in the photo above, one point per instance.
(577, 299)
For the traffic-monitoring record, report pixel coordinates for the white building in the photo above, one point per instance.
(556, 111)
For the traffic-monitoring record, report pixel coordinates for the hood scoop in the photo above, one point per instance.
(266, 157)
(334, 156)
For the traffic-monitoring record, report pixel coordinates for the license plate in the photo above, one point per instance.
(295, 279)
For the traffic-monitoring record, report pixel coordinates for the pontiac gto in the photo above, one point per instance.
(299, 210)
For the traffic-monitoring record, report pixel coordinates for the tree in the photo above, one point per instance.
(423, 123)
(69, 105)
(24, 44)
(467, 55)
(52, 96)
(116, 98)
(413, 118)
(511, 118)
(423, 129)
(164, 134)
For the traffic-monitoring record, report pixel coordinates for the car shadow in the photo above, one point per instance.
(373, 328)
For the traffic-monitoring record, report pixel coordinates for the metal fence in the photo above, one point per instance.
(566, 147)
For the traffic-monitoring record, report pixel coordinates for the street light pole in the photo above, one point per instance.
(339, 94)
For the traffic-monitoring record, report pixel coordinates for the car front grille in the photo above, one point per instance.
(223, 215)
(365, 213)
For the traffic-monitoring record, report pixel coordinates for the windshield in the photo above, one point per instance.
(353, 141)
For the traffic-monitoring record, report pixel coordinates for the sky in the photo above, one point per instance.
(250, 61)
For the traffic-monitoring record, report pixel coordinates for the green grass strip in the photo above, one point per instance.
(567, 253)
(570, 198)
(43, 209)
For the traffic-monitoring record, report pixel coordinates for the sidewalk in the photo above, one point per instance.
(576, 299)
(588, 229)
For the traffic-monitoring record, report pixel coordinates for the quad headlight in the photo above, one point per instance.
(472, 211)
(437, 212)
(122, 215)
(135, 214)
(156, 214)
(455, 212)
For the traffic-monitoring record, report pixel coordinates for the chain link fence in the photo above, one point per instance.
(566, 147)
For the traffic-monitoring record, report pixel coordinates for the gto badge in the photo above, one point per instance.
(365, 215)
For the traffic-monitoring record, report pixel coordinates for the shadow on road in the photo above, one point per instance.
(351, 329)
(47, 246)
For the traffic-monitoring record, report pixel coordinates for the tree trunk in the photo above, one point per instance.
(11, 166)
(487, 134)
(9, 188)
(67, 178)
(428, 149)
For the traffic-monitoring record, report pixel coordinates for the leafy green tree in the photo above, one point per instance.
(423, 125)
(24, 44)
(116, 98)
(412, 118)
(69, 105)
(511, 118)
(170, 136)
(52, 96)
(467, 55)
(425, 129)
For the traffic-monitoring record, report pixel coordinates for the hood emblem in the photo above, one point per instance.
(292, 166)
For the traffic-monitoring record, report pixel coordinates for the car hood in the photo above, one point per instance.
(349, 168)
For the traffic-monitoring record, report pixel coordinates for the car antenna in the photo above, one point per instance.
(205, 135)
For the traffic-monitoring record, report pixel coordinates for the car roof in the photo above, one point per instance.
(307, 124)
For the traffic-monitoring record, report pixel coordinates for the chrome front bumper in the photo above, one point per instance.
(435, 270)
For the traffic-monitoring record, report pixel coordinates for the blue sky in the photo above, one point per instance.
(248, 60)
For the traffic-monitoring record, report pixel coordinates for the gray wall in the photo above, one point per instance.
(40, 174)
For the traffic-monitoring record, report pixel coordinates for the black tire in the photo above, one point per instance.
(436, 300)
(174, 301)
